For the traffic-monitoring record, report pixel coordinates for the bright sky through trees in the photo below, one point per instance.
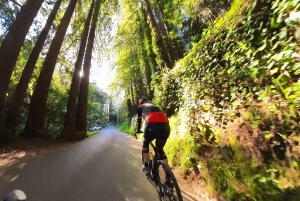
(101, 75)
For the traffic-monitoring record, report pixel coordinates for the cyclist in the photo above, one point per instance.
(156, 127)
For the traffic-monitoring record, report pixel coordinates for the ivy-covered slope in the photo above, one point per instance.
(237, 128)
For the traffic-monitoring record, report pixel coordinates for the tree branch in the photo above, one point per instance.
(16, 3)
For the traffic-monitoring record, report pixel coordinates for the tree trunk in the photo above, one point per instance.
(159, 40)
(81, 115)
(37, 110)
(165, 24)
(175, 51)
(142, 90)
(13, 114)
(149, 39)
(131, 91)
(11, 45)
(131, 113)
(148, 71)
(69, 128)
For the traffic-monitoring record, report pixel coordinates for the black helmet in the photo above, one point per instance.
(143, 100)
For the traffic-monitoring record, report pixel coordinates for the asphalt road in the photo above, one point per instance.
(104, 167)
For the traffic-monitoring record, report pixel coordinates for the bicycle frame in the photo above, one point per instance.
(153, 163)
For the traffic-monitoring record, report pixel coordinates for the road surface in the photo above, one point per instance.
(104, 167)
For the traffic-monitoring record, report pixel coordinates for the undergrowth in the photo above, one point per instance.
(90, 133)
(126, 127)
(237, 128)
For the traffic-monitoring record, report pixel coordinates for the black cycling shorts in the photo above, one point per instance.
(158, 131)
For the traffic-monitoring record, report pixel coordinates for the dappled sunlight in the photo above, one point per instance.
(22, 165)
(14, 178)
(8, 177)
(8, 158)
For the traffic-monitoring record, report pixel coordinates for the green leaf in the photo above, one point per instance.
(253, 126)
(283, 33)
(272, 175)
(254, 63)
(273, 71)
(268, 136)
(254, 72)
(263, 180)
(296, 138)
(271, 170)
(294, 164)
(247, 103)
(274, 24)
(262, 47)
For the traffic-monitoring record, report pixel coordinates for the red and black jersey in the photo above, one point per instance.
(152, 114)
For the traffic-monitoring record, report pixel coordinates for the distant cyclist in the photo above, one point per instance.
(156, 127)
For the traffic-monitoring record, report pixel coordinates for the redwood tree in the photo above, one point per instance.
(159, 40)
(37, 109)
(69, 129)
(81, 115)
(13, 113)
(11, 45)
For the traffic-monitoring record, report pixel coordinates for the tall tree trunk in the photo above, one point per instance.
(165, 31)
(37, 110)
(159, 40)
(165, 24)
(11, 45)
(148, 71)
(139, 76)
(69, 128)
(131, 113)
(148, 76)
(149, 40)
(81, 115)
(131, 91)
(13, 113)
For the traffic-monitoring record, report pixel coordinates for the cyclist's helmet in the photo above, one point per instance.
(143, 100)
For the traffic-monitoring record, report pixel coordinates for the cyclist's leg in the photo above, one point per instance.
(148, 137)
(162, 135)
(161, 139)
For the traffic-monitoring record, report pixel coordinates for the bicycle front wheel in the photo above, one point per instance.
(167, 183)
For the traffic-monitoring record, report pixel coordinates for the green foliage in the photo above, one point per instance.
(180, 147)
(90, 133)
(239, 90)
(126, 127)
(96, 101)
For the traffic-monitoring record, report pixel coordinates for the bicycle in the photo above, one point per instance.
(158, 172)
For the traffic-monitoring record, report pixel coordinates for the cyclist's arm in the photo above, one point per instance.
(139, 119)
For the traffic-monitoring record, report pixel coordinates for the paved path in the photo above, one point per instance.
(104, 167)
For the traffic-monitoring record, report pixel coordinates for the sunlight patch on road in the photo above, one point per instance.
(22, 165)
(7, 158)
(14, 178)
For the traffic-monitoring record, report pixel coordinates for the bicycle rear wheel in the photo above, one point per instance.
(170, 193)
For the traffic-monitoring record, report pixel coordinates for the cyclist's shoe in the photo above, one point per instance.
(169, 182)
(145, 169)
